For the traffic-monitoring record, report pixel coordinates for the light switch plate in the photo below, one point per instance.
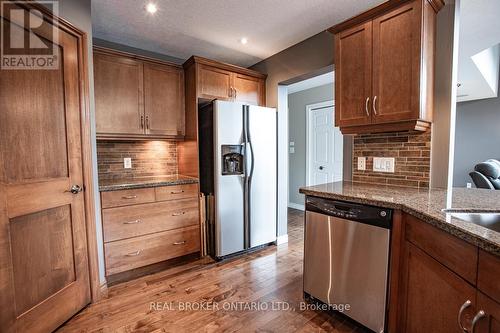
(384, 164)
(292, 143)
(127, 163)
(361, 163)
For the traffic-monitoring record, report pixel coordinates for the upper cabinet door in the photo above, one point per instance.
(118, 95)
(353, 75)
(164, 100)
(214, 83)
(396, 63)
(248, 89)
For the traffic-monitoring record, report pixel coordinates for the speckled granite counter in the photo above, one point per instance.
(424, 204)
(127, 184)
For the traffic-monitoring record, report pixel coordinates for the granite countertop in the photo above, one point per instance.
(425, 204)
(131, 183)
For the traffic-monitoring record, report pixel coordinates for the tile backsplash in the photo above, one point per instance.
(411, 151)
(149, 159)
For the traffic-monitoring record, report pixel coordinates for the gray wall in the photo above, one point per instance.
(78, 13)
(297, 132)
(477, 136)
(302, 58)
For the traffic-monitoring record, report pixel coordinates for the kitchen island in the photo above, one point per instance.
(441, 266)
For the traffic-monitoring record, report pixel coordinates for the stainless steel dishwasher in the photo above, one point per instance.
(346, 258)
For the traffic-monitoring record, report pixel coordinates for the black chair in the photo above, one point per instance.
(487, 175)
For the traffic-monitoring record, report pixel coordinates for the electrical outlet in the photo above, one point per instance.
(384, 164)
(127, 163)
(469, 185)
(292, 150)
(361, 163)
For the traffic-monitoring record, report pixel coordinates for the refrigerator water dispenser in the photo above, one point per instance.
(232, 159)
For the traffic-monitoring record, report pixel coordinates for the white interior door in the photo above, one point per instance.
(324, 146)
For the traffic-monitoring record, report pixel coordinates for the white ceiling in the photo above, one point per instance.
(313, 82)
(478, 54)
(213, 28)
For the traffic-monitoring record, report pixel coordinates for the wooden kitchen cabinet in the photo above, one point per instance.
(433, 294)
(119, 98)
(353, 75)
(489, 322)
(148, 226)
(384, 76)
(248, 89)
(137, 97)
(164, 100)
(215, 80)
(214, 83)
(440, 275)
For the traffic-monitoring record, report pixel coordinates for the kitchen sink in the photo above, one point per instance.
(488, 220)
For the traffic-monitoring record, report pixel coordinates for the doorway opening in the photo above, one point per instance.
(311, 150)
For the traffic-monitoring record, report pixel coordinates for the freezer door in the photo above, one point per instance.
(229, 201)
(262, 174)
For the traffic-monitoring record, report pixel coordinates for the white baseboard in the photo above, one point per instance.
(282, 239)
(296, 206)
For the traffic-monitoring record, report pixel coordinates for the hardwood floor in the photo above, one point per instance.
(248, 284)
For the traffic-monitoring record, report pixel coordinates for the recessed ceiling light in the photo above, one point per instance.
(244, 40)
(151, 8)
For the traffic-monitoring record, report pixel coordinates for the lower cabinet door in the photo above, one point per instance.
(433, 295)
(487, 321)
(141, 251)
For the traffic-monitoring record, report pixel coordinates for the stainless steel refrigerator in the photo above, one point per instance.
(238, 167)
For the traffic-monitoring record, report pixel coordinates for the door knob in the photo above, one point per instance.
(321, 167)
(75, 189)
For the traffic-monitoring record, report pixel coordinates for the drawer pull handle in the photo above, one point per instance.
(178, 214)
(177, 192)
(133, 222)
(180, 243)
(462, 309)
(129, 197)
(477, 317)
(133, 254)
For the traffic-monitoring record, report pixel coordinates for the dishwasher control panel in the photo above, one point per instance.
(381, 217)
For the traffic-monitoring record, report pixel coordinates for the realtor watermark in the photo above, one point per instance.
(245, 306)
(28, 40)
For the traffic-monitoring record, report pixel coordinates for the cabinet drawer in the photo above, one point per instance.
(136, 252)
(488, 274)
(127, 197)
(138, 220)
(176, 192)
(457, 255)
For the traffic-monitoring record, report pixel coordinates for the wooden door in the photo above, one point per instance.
(353, 75)
(432, 295)
(214, 83)
(44, 274)
(248, 89)
(396, 63)
(164, 100)
(490, 323)
(118, 95)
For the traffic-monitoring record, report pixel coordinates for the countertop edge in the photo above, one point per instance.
(451, 229)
